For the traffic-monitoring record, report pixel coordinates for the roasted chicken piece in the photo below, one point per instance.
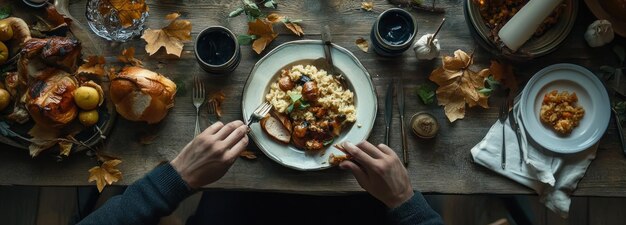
(39, 54)
(50, 98)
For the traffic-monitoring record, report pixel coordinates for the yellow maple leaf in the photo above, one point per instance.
(128, 56)
(127, 11)
(262, 28)
(105, 174)
(218, 97)
(171, 37)
(362, 44)
(93, 65)
(459, 85)
(367, 6)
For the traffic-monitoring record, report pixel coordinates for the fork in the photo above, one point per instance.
(503, 114)
(198, 99)
(260, 112)
(212, 109)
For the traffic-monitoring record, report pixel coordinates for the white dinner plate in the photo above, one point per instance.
(305, 52)
(592, 96)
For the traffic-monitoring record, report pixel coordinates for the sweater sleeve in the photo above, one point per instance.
(414, 211)
(145, 201)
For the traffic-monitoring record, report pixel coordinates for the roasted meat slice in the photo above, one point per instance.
(50, 98)
(38, 54)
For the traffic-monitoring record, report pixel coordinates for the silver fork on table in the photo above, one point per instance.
(260, 112)
(502, 115)
(197, 97)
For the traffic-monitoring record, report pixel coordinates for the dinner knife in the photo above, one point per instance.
(405, 154)
(388, 110)
(620, 131)
(518, 134)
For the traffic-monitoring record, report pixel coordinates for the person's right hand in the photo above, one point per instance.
(208, 156)
(379, 171)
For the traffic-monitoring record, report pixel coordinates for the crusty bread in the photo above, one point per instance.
(275, 129)
(142, 95)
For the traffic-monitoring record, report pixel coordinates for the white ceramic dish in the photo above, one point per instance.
(592, 96)
(305, 52)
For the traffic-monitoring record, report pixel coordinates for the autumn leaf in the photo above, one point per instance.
(42, 138)
(274, 18)
(127, 11)
(171, 37)
(263, 30)
(459, 85)
(295, 28)
(218, 97)
(128, 56)
(362, 44)
(247, 154)
(503, 73)
(93, 65)
(105, 174)
(367, 6)
(65, 147)
(55, 18)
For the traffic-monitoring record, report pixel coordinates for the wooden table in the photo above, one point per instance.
(440, 165)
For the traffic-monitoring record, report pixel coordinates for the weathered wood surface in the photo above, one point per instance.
(441, 165)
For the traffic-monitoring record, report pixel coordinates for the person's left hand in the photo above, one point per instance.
(208, 156)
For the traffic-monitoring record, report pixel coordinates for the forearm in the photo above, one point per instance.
(145, 201)
(414, 211)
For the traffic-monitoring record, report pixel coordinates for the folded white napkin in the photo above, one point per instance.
(553, 176)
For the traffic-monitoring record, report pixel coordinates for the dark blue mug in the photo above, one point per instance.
(393, 32)
(217, 50)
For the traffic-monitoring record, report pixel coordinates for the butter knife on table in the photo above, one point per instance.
(388, 110)
(405, 154)
(516, 129)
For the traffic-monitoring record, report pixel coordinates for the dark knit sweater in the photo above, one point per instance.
(160, 191)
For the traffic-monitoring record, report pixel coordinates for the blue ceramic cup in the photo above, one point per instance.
(217, 50)
(393, 32)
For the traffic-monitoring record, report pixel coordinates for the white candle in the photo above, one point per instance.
(524, 24)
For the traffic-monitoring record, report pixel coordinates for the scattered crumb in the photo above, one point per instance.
(359, 125)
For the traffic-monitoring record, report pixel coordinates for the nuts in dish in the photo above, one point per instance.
(561, 111)
(311, 105)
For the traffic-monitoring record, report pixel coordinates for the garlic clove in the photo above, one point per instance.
(599, 33)
(425, 50)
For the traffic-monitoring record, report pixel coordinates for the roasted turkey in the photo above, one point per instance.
(50, 98)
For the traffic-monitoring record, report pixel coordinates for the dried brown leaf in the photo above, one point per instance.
(105, 174)
(367, 6)
(459, 85)
(247, 154)
(274, 18)
(55, 18)
(295, 28)
(65, 148)
(42, 138)
(170, 37)
(503, 73)
(218, 97)
(93, 65)
(127, 11)
(362, 44)
(128, 56)
(262, 28)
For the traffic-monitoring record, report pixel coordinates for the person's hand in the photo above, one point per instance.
(379, 171)
(208, 156)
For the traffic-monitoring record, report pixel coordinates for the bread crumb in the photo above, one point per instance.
(359, 125)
